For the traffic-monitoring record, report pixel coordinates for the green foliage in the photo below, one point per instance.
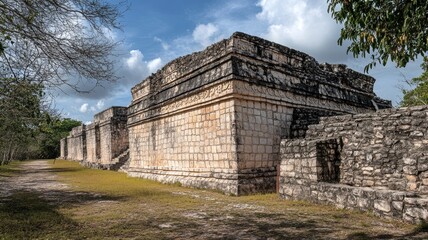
(27, 129)
(422, 227)
(384, 29)
(43, 43)
(50, 133)
(419, 94)
(20, 102)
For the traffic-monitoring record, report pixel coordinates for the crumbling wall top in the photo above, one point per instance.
(115, 111)
(77, 131)
(258, 61)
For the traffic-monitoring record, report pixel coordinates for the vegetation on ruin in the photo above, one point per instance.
(383, 30)
(418, 95)
(105, 204)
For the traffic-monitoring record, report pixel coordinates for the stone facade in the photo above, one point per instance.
(376, 162)
(105, 140)
(63, 148)
(76, 144)
(214, 119)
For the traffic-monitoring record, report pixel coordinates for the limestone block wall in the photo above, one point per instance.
(106, 138)
(92, 137)
(63, 148)
(214, 119)
(259, 128)
(376, 162)
(76, 144)
(192, 147)
(119, 134)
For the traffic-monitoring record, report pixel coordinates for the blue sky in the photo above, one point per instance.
(155, 32)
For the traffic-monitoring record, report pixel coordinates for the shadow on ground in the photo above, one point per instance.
(268, 226)
(29, 215)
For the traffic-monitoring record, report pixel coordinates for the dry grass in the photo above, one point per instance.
(9, 170)
(105, 204)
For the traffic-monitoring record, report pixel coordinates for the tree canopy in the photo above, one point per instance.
(45, 44)
(385, 30)
(419, 94)
(50, 40)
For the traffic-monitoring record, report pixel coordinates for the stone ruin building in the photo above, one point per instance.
(215, 119)
(376, 162)
(101, 144)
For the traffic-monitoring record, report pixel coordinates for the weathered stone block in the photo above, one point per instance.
(398, 205)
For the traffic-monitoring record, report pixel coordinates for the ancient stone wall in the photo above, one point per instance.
(376, 161)
(76, 144)
(101, 144)
(113, 133)
(63, 148)
(214, 119)
(92, 143)
(106, 138)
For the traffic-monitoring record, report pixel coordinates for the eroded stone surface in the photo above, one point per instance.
(101, 144)
(380, 159)
(214, 119)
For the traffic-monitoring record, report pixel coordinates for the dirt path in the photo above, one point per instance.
(92, 215)
(36, 176)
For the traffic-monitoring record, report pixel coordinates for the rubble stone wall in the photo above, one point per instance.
(376, 161)
(246, 89)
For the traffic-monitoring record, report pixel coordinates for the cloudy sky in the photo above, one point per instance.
(158, 31)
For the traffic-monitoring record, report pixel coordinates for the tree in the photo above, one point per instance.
(50, 133)
(394, 30)
(28, 129)
(50, 40)
(20, 115)
(418, 95)
(43, 44)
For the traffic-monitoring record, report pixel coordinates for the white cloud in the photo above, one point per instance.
(154, 65)
(100, 104)
(205, 34)
(84, 108)
(137, 67)
(135, 61)
(165, 46)
(301, 24)
(304, 25)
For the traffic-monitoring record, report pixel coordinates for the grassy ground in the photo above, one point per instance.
(110, 205)
(10, 170)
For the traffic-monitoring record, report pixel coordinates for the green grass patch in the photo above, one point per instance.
(26, 216)
(422, 227)
(10, 169)
(116, 184)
